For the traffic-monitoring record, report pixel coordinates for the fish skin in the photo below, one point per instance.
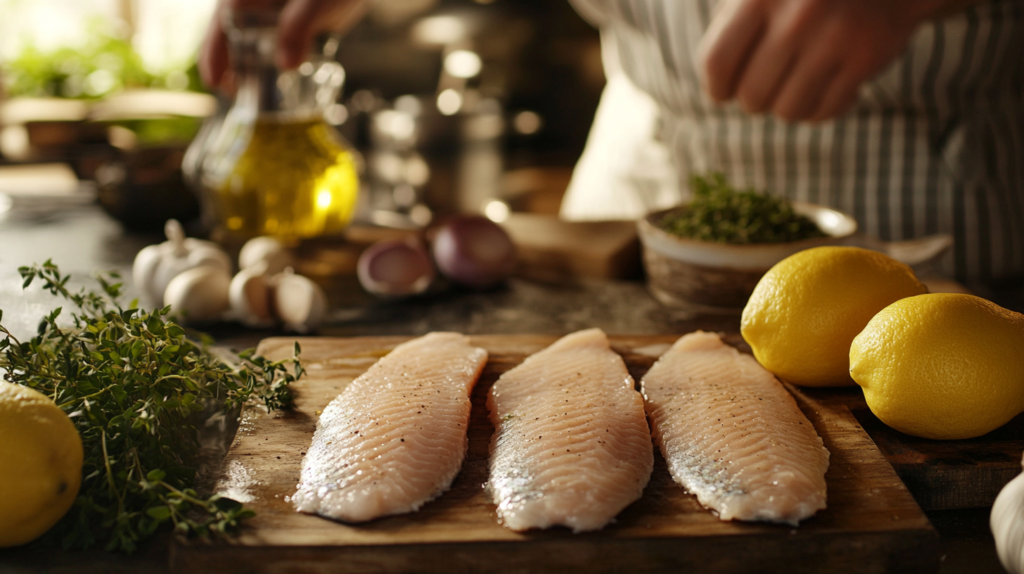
(571, 445)
(395, 438)
(732, 434)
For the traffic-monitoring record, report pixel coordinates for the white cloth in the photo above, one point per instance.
(624, 171)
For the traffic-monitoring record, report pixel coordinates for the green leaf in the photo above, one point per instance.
(227, 504)
(156, 475)
(159, 513)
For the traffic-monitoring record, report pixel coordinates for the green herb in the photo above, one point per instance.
(106, 63)
(721, 214)
(133, 384)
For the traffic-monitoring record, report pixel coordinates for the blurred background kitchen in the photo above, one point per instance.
(451, 105)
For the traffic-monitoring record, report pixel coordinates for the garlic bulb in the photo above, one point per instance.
(156, 265)
(299, 302)
(199, 294)
(1007, 524)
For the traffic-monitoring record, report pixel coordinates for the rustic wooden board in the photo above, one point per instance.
(945, 475)
(872, 523)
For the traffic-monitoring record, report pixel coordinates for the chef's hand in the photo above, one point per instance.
(300, 22)
(805, 59)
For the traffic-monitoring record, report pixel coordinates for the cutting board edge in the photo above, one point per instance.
(910, 550)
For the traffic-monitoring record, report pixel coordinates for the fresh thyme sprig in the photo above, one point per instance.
(133, 383)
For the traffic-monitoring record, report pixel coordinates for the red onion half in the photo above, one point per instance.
(474, 251)
(395, 268)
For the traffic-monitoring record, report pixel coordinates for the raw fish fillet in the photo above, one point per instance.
(732, 435)
(395, 438)
(571, 445)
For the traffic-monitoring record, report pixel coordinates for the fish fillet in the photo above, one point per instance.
(571, 445)
(396, 437)
(732, 435)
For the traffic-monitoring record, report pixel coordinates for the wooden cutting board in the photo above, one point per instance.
(872, 523)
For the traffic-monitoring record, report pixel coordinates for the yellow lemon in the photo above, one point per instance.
(805, 312)
(942, 366)
(40, 464)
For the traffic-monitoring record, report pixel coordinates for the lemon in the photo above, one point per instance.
(40, 464)
(805, 312)
(942, 366)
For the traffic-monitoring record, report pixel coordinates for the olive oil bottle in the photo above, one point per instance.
(292, 181)
(275, 166)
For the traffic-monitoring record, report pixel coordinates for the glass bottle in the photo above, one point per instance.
(275, 166)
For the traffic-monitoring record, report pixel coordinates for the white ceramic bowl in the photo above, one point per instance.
(705, 277)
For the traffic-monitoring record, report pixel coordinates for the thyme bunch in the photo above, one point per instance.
(722, 214)
(133, 384)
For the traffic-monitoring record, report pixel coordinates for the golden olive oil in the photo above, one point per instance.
(294, 180)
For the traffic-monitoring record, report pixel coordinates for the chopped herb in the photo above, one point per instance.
(133, 384)
(721, 214)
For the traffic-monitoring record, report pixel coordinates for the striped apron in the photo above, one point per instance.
(935, 143)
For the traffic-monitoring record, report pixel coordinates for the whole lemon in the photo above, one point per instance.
(40, 464)
(942, 366)
(805, 312)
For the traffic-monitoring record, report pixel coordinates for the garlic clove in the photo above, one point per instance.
(1007, 524)
(299, 302)
(144, 269)
(200, 294)
(267, 250)
(250, 295)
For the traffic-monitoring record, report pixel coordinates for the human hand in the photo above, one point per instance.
(300, 22)
(804, 59)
